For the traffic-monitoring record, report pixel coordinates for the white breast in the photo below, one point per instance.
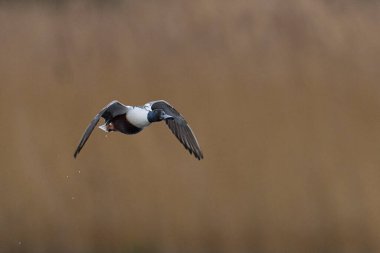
(138, 117)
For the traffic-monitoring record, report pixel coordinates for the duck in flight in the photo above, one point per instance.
(133, 119)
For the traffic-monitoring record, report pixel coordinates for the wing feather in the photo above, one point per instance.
(179, 127)
(110, 111)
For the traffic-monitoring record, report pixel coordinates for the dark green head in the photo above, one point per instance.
(157, 115)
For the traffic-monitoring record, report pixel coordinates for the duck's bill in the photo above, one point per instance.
(166, 116)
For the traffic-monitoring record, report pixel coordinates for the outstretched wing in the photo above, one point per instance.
(179, 127)
(112, 110)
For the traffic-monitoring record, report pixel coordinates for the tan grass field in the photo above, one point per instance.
(284, 97)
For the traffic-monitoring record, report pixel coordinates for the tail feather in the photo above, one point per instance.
(104, 128)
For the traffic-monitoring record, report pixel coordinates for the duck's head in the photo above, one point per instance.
(158, 115)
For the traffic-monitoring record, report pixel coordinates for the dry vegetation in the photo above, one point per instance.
(284, 97)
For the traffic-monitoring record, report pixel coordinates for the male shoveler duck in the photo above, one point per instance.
(133, 119)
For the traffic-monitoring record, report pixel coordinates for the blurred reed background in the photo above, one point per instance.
(284, 97)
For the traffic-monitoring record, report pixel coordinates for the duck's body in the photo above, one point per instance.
(121, 124)
(133, 119)
(138, 116)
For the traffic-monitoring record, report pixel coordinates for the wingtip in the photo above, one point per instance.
(199, 156)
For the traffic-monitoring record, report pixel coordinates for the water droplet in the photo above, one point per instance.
(78, 171)
(72, 197)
